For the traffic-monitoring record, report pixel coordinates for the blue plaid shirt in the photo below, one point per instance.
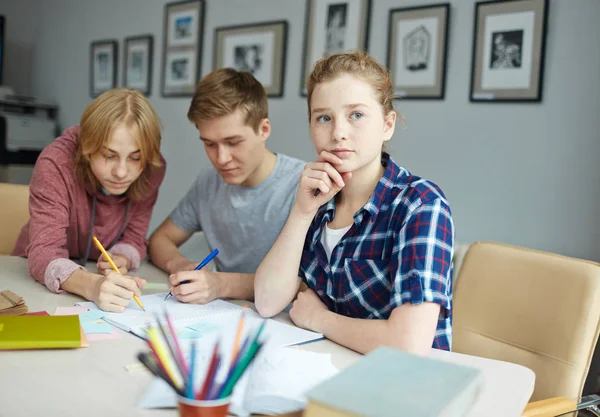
(398, 250)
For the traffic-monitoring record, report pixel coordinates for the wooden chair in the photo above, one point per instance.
(14, 213)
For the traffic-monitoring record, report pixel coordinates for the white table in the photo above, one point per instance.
(93, 381)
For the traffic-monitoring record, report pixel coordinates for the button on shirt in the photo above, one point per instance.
(398, 250)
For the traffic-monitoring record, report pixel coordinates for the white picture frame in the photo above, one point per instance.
(333, 26)
(138, 62)
(258, 48)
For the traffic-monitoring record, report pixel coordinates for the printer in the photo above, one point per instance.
(27, 126)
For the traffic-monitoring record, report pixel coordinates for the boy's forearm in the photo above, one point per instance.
(237, 285)
(165, 254)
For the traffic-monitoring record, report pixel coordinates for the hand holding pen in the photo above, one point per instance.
(201, 286)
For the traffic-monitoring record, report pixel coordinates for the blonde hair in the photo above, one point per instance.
(226, 90)
(113, 108)
(358, 64)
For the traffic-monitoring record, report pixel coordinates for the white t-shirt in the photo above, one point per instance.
(331, 237)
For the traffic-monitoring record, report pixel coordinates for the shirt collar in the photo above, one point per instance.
(378, 197)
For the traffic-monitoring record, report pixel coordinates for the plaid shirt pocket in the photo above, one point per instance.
(364, 288)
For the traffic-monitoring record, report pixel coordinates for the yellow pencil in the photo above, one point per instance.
(114, 267)
(164, 357)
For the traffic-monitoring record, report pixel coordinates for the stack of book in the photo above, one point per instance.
(11, 304)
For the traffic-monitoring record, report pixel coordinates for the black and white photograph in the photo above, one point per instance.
(256, 48)
(508, 51)
(138, 63)
(417, 49)
(182, 47)
(249, 57)
(336, 28)
(103, 66)
(333, 26)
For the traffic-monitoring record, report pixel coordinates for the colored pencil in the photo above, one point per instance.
(163, 357)
(177, 345)
(211, 367)
(190, 383)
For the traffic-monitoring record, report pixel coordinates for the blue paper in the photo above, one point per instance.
(94, 328)
(91, 315)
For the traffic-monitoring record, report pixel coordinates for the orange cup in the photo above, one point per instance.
(203, 408)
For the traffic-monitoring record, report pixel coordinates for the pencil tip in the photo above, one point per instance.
(143, 309)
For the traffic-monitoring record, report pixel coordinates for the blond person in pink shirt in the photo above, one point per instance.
(101, 179)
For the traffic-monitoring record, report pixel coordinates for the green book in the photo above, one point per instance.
(39, 332)
(391, 383)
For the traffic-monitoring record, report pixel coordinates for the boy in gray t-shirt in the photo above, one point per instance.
(240, 203)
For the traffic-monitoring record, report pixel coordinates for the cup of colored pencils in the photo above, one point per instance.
(167, 361)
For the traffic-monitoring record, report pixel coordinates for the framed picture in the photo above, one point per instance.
(333, 26)
(182, 47)
(417, 49)
(103, 66)
(139, 52)
(257, 48)
(509, 42)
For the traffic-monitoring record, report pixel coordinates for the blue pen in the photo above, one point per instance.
(200, 266)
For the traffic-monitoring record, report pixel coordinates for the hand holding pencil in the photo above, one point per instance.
(114, 291)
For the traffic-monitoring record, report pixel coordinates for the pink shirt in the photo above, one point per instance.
(60, 214)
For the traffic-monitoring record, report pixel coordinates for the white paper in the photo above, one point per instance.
(134, 318)
(276, 383)
(406, 29)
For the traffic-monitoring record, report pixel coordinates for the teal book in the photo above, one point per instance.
(391, 383)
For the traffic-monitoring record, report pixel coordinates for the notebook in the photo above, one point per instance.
(391, 383)
(40, 332)
(276, 383)
(222, 316)
(135, 320)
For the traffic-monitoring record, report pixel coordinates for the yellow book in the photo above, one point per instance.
(39, 332)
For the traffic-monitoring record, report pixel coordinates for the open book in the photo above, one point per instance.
(276, 382)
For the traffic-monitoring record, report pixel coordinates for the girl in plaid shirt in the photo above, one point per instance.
(372, 242)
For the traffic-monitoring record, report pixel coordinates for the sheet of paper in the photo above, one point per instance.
(70, 311)
(93, 327)
(91, 315)
(276, 383)
(155, 304)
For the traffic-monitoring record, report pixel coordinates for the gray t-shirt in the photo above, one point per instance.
(243, 222)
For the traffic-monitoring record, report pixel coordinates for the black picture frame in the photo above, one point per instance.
(272, 77)
(314, 25)
(143, 76)
(182, 47)
(104, 56)
(501, 69)
(419, 78)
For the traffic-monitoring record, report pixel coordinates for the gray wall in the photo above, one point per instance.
(524, 174)
(21, 35)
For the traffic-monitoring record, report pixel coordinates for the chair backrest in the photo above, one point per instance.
(536, 309)
(14, 213)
